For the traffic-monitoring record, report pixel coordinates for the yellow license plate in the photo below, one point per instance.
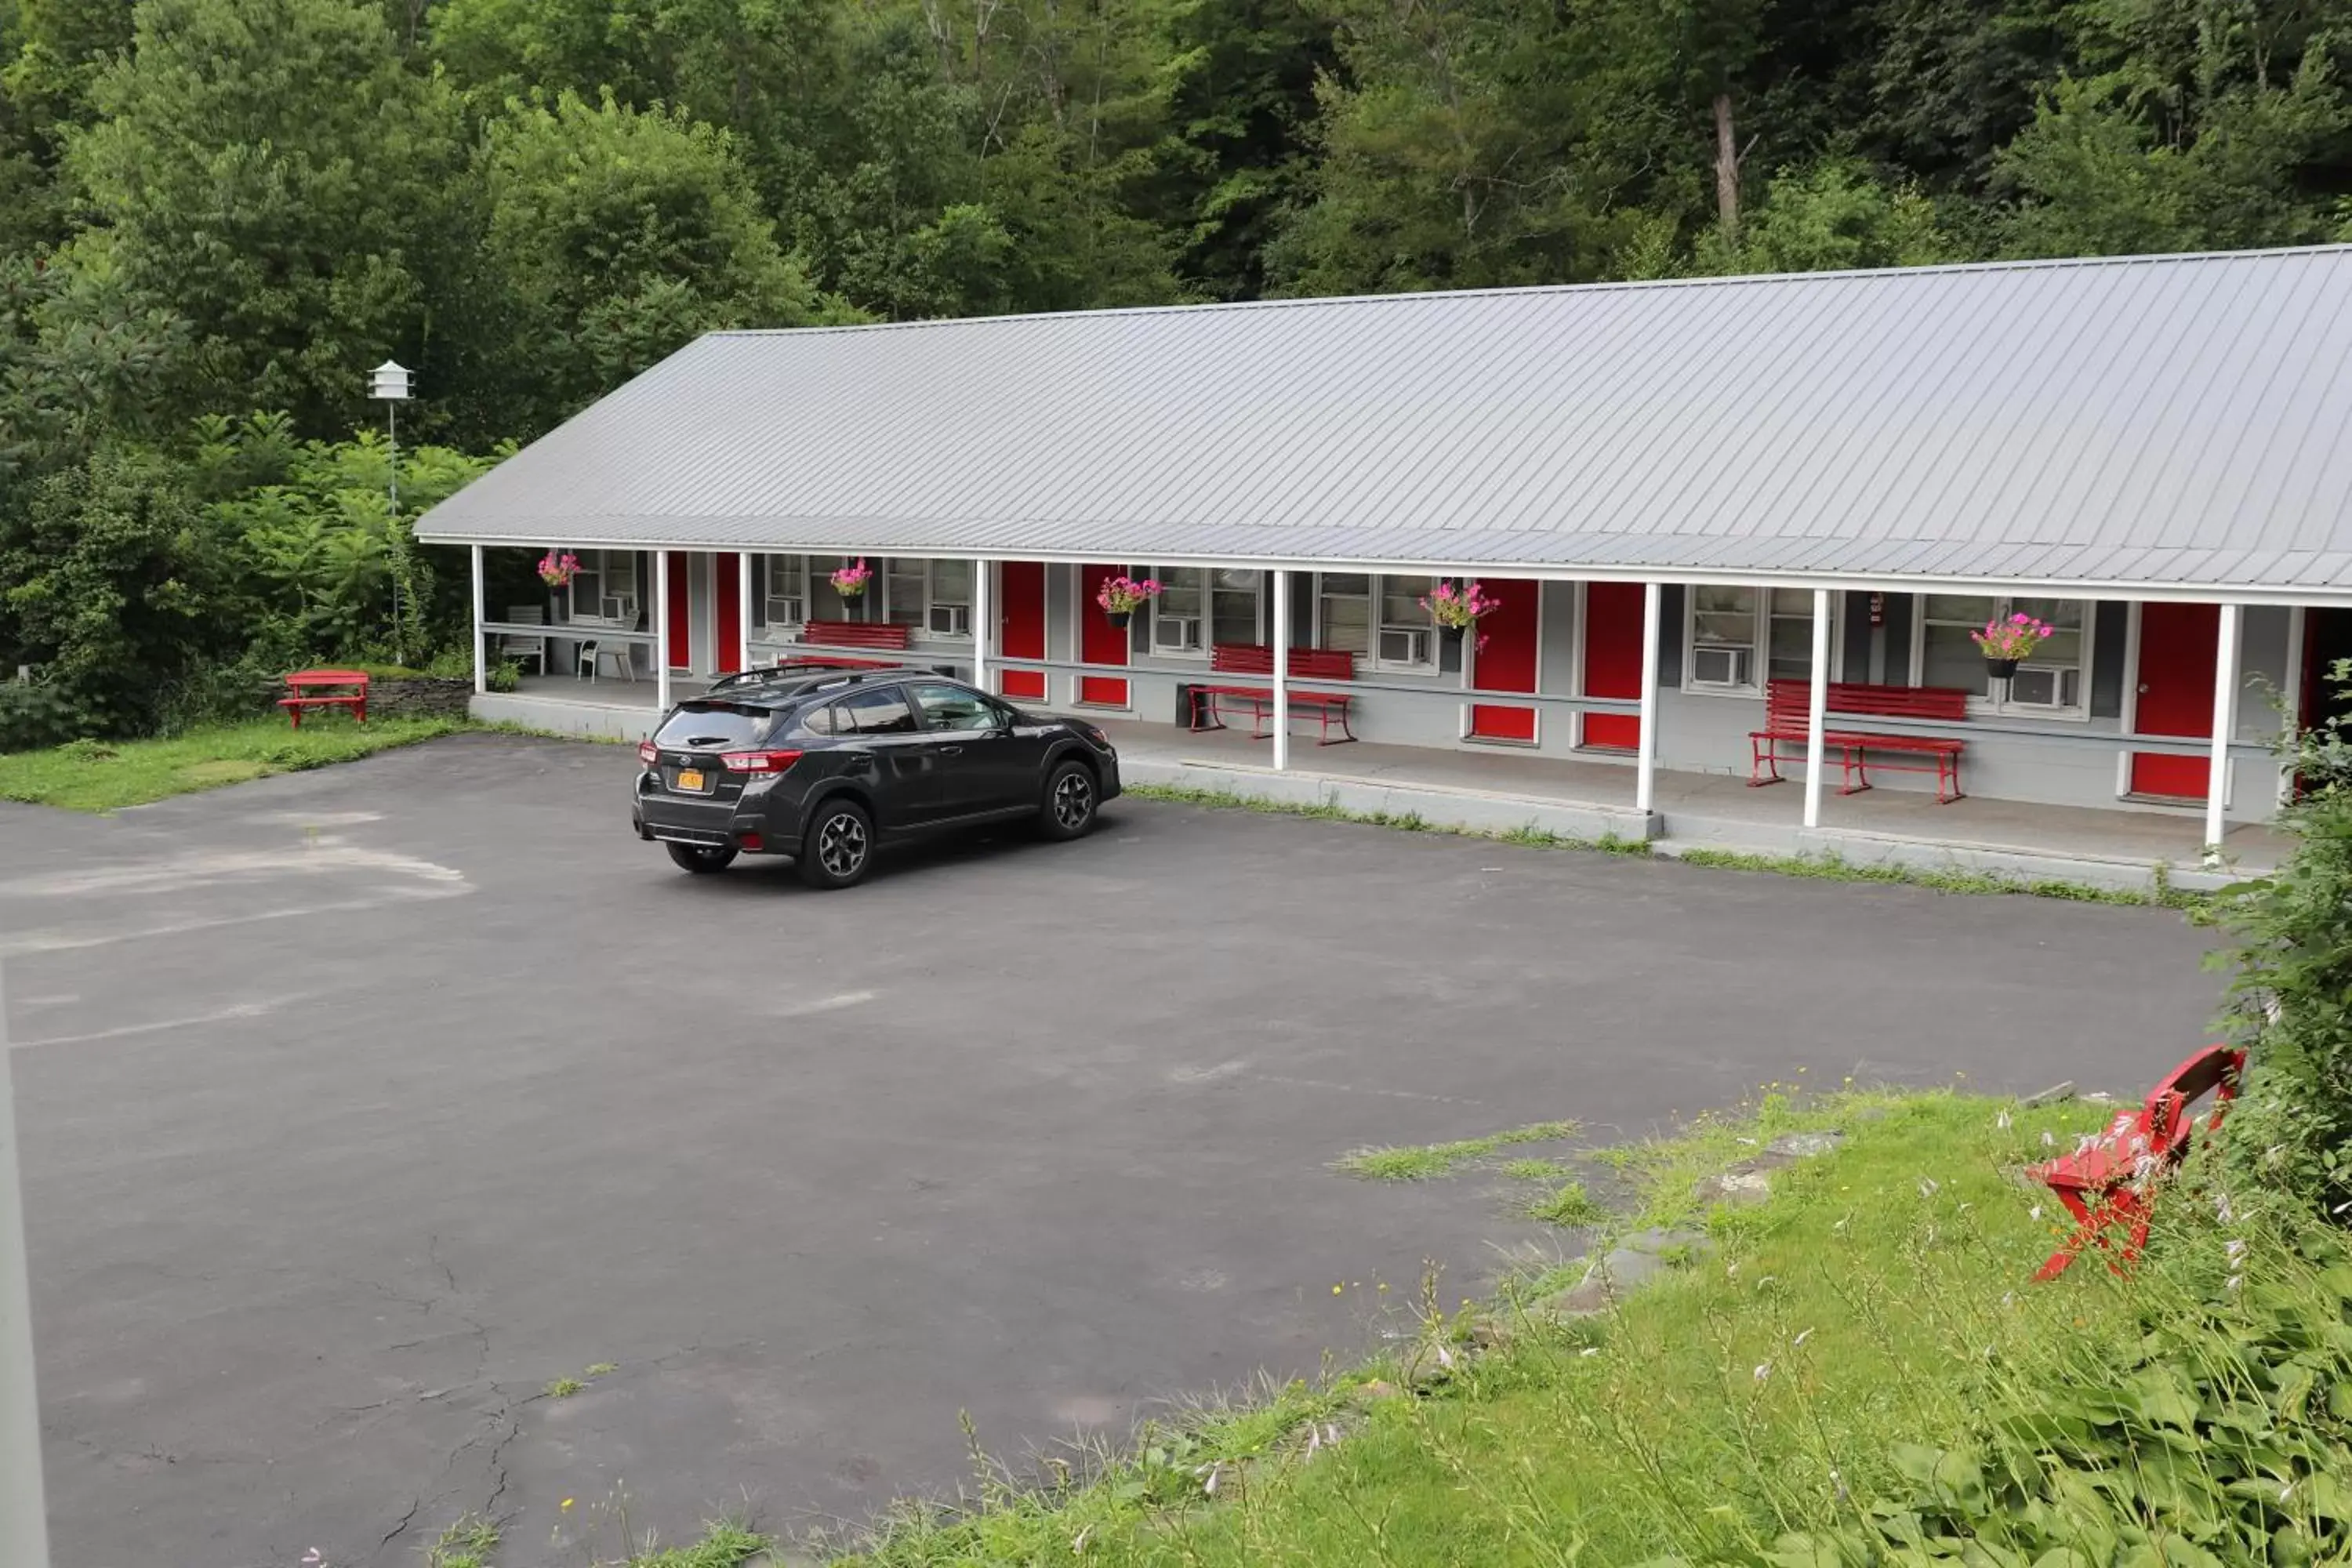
(689, 778)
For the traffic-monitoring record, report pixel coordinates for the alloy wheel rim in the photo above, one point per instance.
(1073, 798)
(841, 845)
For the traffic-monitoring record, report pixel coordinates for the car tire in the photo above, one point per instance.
(838, 850)
(700, 859)
(1071, 798)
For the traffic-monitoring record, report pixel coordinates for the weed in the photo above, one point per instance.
(466, 1543)
(602, 1367)
(1420, 1162)
(564, 1388)
(723, 1545)
(1533, 1168)
(1569, 1204)
(1327, 810)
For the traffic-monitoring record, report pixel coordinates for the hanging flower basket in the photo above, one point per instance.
(1456, 610)
(2006, 644)
(850, 581)
(1121, 596)
(557, 570)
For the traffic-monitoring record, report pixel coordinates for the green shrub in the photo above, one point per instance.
(34, 714)
(2291, 993)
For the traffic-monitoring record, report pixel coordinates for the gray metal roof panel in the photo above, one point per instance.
(2184, 420)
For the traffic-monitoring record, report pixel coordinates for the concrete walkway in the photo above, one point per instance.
(1500, 790)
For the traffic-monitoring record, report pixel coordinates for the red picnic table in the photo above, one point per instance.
(308, 689)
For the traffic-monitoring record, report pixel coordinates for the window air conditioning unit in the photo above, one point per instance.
(1181, 633)
(784, 611)
(1404, 646)
(952, 620)
(613, 608)
(2048, 687)
(1716, 665)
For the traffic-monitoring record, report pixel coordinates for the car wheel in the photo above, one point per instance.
(699, 860)
(1068, 811)
(838, 848)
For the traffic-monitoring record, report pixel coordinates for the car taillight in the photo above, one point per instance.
(647, 753)
(760, 762)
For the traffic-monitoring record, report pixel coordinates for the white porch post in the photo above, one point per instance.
(1817, 707)
(1281, 668)
(1645, 745)
(481, 666)
(743, 609)
(661, 630)
(2225, 720)
(24, 1527)
(983, 621)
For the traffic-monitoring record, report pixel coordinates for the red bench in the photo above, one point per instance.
(2112, 1177)
(1787, 710)
(309, 689)
(1256, 659)
(878, 636)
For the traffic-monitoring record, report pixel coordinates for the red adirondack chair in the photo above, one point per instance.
(2111, 1179)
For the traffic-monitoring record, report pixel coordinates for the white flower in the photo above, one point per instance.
(2048, 1140)
(2236, 1250)
(1590, 1350)
(1801, 1337)
(1927, 1187)
(2222, 1210)
(2033, 1212)
(2234, 1281)
(1079, 1543)
(2009, 1298)
(1763, 1371)
(2001, 1121)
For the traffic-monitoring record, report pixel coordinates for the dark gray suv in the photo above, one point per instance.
(827, 765)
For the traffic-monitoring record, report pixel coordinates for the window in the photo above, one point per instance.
(955, 707)
(715, 725)
(781, 596)
(1740, 637)
(1197, 609)
(605, 588)
(880, 711)
(930, 596)
(1380, 619)
(2053, 684)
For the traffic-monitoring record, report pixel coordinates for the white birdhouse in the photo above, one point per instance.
(389, 380)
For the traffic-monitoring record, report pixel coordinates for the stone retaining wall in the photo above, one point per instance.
(423, 696)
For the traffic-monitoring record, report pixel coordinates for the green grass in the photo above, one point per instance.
(564, 1388)
(721, 1546)
(99, 776)
(1836, 868)
(1568, 1204)
(1533, 1168)
(1422, 1162)
(1405, 822)
(1879, 1299)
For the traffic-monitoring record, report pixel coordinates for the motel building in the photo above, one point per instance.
(1734, 527)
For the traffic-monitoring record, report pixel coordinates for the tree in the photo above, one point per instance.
(270, 171)
(617, 237)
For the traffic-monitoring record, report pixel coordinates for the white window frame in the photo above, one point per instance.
(895, 567)
(2002, 707)
(764, 596)
(598, 563)
(1210, 589)
(1376, 622)
(1760, 644)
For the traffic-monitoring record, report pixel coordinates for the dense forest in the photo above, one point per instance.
(216, 215)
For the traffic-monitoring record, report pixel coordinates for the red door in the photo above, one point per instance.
(1613, 660)
(2179, 647)
(1507, 662)
(680, 608)
(1020, 626)
(727, 584)
(1099, 642)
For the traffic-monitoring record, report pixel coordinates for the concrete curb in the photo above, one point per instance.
(1474, 811)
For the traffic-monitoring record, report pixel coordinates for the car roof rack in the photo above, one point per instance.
(815, 674)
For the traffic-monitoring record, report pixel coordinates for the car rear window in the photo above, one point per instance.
(715, 724)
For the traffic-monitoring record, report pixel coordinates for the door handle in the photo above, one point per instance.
(952, 751)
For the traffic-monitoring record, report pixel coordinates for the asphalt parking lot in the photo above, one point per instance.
(361, 1105)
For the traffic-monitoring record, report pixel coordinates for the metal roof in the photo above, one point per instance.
(2171, 422)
